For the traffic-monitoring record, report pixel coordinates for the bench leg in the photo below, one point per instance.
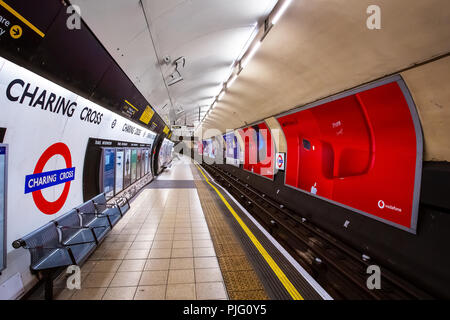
(49, 287)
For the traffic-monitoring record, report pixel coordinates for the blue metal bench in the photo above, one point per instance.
(101, 224)
(49, 254)
(81, 240)
(71, 238)
(113, 211)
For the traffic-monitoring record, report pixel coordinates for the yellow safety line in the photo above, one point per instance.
(18, 16)
(278, 272)
(128, 103)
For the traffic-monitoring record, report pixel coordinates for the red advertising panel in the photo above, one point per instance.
(259, 150)
(362, 151)
(200, 147)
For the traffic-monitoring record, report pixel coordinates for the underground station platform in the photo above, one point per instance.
(184, 237)
(224, 159)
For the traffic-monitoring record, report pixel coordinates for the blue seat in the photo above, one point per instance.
(113, 211)
(71, 238)
(90, 218)
(45, 248)
(123, 205)
(81, 240)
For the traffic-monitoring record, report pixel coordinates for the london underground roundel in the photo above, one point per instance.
(280, 161)
(40, 180)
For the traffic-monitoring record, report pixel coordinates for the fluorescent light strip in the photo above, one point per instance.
(280, 12)
(250, 41)
(231, 81)
(251, 54)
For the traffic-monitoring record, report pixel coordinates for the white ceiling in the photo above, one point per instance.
(210, 34)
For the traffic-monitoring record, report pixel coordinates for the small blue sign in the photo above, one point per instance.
(39, 181)
(2, 150)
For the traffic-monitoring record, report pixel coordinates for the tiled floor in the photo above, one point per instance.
(161, 249)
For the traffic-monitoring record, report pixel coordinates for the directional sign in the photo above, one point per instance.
(16, 32)
(147, 115)
(39, 180)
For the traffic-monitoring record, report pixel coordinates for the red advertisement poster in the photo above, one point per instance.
(360, 151)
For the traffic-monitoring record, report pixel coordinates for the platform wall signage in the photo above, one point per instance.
(208, 149)
(147, 115)
(119, 170)
(3, 187)
(231, 149)
(259, 150)
(147, 161)
(42, 179)
(133, 165)
(127, 171)
(48, 131)
(165, 152)
(280, 160)
(362, 151)
(108, 172)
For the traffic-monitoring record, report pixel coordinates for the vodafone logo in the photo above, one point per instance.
(39, 180)
(383, 205)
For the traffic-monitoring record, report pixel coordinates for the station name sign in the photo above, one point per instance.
(33, 96)
(34, 182)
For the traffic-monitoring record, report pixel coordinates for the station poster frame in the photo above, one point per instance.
(3, 203)
(419, 148)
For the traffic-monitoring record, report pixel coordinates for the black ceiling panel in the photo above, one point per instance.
(113, 89)
(75, 59)
(33, 33)
(74, 56)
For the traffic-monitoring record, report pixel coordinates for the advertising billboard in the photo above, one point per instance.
(3, 187)
(127, 169)
(361, 150)
(259, 150)
(143, 163)
(133, 165)
(209, 148)
(231, 149)
(139, 164)
(108, 172)
(120, 154)
(147, 161)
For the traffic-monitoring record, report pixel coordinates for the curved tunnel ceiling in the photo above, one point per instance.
(208, 34)
(320, 48)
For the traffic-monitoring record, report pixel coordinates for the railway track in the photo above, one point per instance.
(339, 268)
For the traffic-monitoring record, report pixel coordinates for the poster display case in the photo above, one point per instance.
(120, 154)
(133, 165)
(127, 169)
(3, 188)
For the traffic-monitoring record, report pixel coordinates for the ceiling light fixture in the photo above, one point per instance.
(250, 41)
(280, 12)
(247, 59)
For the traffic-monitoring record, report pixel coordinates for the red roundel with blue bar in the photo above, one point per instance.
(280, 161)
(40, 180)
